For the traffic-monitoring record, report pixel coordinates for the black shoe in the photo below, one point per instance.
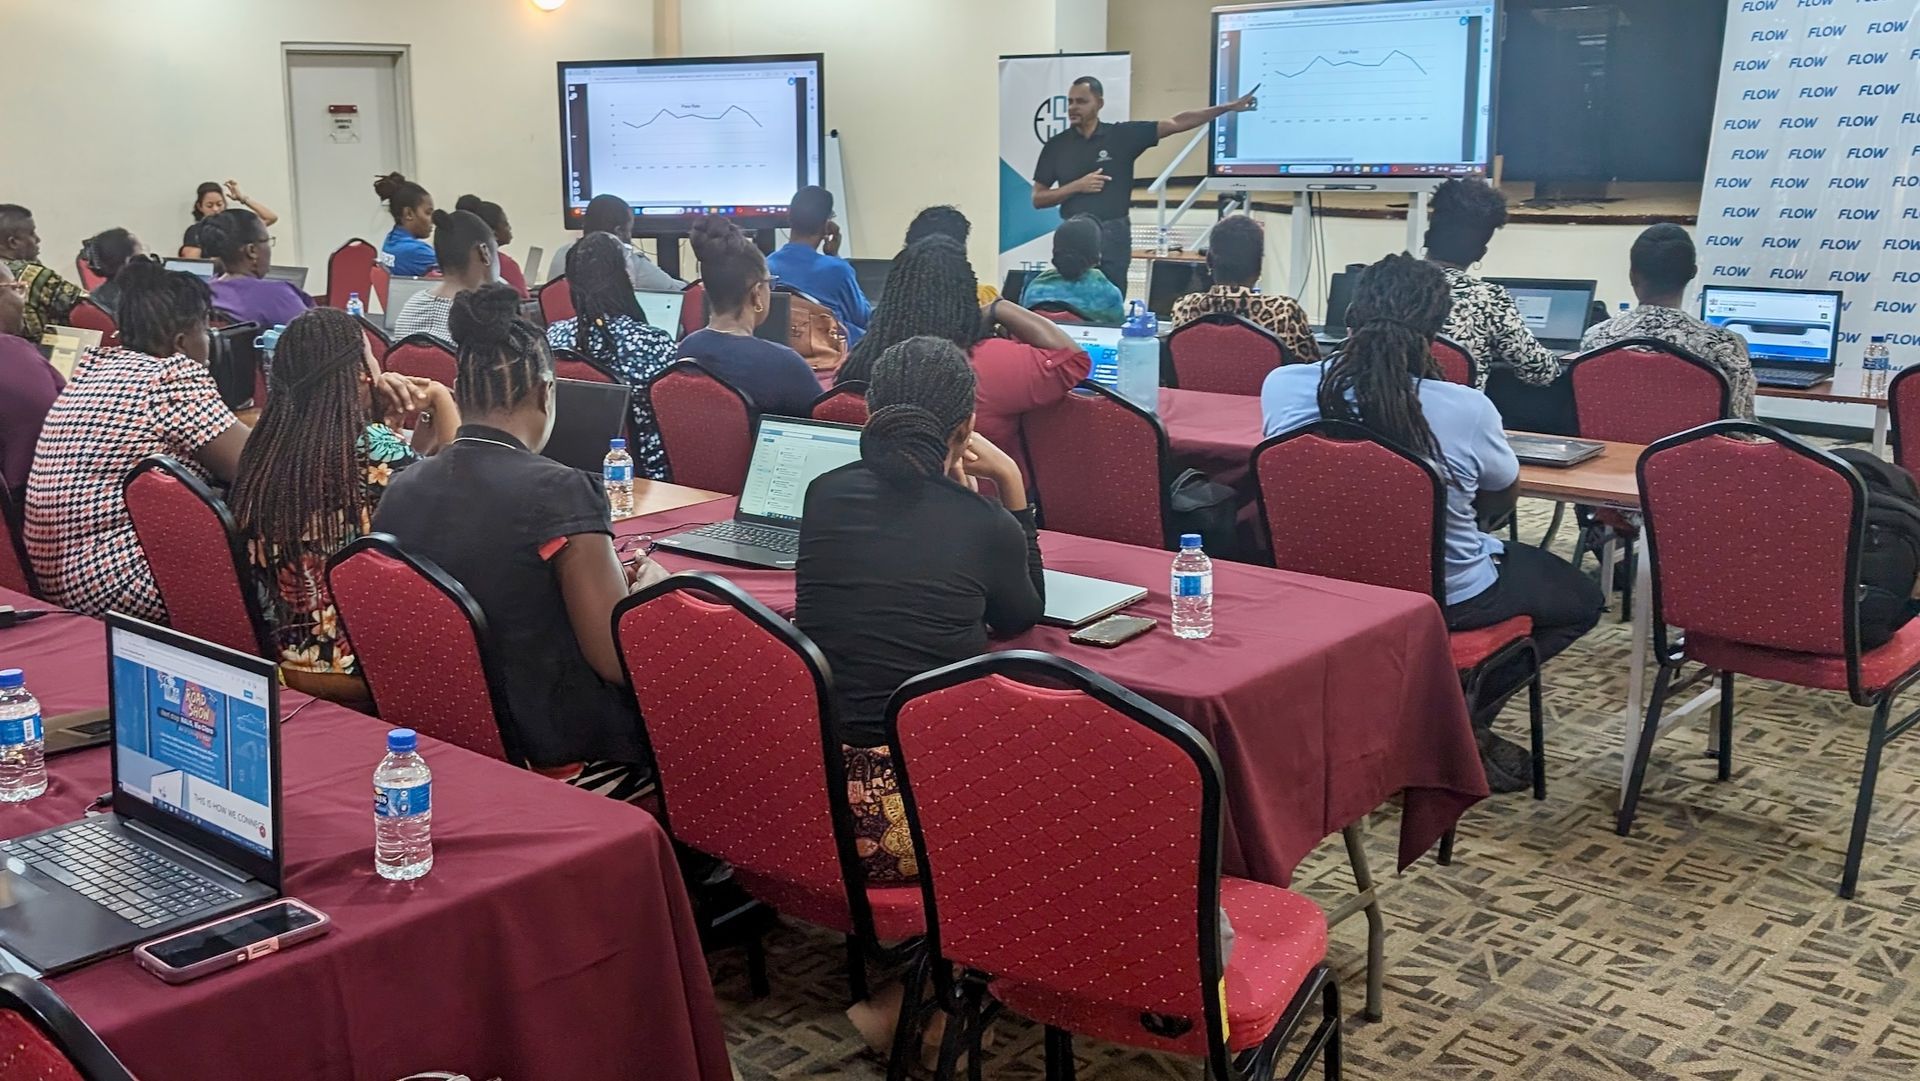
(1509, 766)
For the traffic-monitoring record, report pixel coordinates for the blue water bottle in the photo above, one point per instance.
(1139, 360)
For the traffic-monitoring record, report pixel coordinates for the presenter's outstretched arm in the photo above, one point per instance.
(1193, 118)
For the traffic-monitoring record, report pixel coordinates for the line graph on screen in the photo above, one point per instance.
(1324, 97)
(708, 141)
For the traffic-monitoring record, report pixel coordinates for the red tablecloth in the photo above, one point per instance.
(553, 938)
(1324, 699)
(1214, 433)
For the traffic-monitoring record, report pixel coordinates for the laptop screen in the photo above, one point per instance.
(1102, 346)
(199, 268)
(192, 738)
(662, 310)
(1781, 326)
(401, 290)
(1553, 311)
(1170, 279)
(787, 455)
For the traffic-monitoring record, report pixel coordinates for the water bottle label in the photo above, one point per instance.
(20, 730)
(619, 474)
(1193, 585)
(400, 802)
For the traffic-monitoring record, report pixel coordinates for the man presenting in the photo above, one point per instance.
(1088, 168)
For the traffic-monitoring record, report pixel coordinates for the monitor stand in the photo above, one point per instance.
(1548, 194)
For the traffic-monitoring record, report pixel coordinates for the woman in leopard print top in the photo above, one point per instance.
(1466, 214)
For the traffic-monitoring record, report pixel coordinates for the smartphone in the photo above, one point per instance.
(1112, 631)
(231, 940)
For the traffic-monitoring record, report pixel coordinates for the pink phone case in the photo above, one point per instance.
(145, 956)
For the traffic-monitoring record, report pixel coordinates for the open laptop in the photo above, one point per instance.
(199, 268)
(1170, 279)
(195, 826)
(1102, 345)
(778, 325)
(295, 276)
(1791, 333)
(1016, 284)
(587, 415)
(662, 310)
(872, 276)
(530, 270)
(788, 454)
(1557, 451)
(401, 290)
(1075, 601)
(1554, 309)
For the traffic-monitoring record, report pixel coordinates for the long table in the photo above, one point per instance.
(553, 938)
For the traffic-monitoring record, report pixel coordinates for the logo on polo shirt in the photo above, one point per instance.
(1104, 156)
(1050, 118)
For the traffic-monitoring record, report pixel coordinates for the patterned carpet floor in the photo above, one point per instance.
(1710, 945)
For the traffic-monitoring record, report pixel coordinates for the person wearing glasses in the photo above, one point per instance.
(239, 240)
(739, 295)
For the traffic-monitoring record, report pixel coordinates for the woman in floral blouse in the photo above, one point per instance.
(611, 330)
(1485, 320)
(312, 474)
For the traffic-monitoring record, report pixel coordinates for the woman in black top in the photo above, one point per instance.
(530, 538)
(904, 566)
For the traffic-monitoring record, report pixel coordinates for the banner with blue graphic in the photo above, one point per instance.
(1813, 181)
(1033, 109)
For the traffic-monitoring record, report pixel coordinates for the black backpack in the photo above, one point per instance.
(1890, 549)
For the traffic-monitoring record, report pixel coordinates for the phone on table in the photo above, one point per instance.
(1112, 631)
(232, 940)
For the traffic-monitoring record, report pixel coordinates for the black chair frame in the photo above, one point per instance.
(51, 1015)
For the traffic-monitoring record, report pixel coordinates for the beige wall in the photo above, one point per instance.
(118, 108)
(1168, 40)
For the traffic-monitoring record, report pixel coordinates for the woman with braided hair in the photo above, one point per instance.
(1384, 380)
(931, 290)
(905, 567)
(530, 538)
(609, 328)
(310, 478)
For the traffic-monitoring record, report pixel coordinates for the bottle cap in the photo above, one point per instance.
(402, 741)
(1189, 540)
(11, 678)
(1140, 323)
(616, 444)
(1879, 339)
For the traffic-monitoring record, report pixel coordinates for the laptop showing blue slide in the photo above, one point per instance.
(194, 826)
(1791, 333)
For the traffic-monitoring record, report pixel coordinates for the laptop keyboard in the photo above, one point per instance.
(786, 542)
(133, 882)
(1789, 377)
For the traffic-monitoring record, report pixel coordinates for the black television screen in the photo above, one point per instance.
(1599, 90)
(685, 138)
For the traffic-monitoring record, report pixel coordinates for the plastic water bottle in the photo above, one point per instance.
(1879, 361)
(1139, 361)
(355, 307)
(617, 470)
(402, 810)
(23, 753)
(1192, 590)
(1626, 307)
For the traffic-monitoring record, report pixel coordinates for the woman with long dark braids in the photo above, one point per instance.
(609, 328)
(931, 291)
(313, 472)
(1384, 380)
(530, 538)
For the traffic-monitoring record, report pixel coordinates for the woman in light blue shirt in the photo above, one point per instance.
(1075, 279)
(406, 250)
(1384, 381)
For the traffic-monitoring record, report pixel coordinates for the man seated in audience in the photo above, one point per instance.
(1235, 254)
(50, 298)
(739, 296)
(469, 258)
(1379, 380)
(150, 395)
(107, 253)
(1075, 281)
(28, 386)
(810, 262)
(949, 222)
(243, 292)
(931, 290)
(530, 538)
(612, 214)
(327, 446)
(1663, 262)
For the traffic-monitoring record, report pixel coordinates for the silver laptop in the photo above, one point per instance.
(1075, 601)
(401, 290)
(199, 268)
(662, 310)
(295, 276)
(1553, 450)
(195, 826)
(788, 454)
(531, 268)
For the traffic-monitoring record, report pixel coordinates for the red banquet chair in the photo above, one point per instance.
(1306, 481)
(350, 270)
(1059, 312)
(377, 339)
(1069, 838)
(421, 641)
(1903, 402)
(184, 532)
(706, 427)
(89, 279)
(844, 404)
(425, 356)
(1724, 515)
(382, 279)
(572, 364)
(738, 708)
(1099, 467)
(1457, 363)
(693, 310)
(556, 301)
(1225, 354)
(16, 572)
(42, 1039)
(87, 315)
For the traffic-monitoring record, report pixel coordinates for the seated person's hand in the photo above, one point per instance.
(644, 572)
(982, 459)
(399, 395)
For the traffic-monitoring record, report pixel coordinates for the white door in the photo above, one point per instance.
(347, 127)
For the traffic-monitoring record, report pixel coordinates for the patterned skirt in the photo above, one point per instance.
(880, 833)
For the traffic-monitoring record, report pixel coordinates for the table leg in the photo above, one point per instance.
(1365, 899)
(1634, 714)
(1881, 415)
